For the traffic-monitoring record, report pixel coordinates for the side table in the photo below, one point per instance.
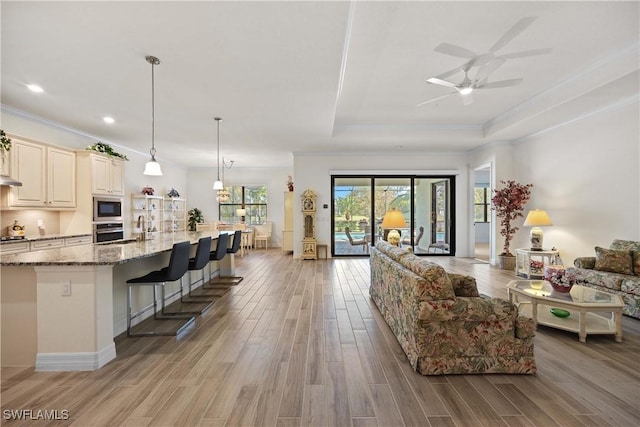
(525, 257)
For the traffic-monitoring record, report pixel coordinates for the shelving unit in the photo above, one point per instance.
(150, 208)
(174, 214)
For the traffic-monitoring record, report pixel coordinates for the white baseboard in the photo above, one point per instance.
(87, 361)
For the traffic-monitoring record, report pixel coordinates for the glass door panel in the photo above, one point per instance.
(351, 216)
(393, 193)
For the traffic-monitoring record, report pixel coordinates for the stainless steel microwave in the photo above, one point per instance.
(107, 209)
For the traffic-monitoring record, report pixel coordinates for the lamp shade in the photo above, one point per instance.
(152, 168)
(241, 212)
(537, 218)
(393, 219)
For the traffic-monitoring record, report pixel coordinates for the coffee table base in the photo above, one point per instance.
(581, 322)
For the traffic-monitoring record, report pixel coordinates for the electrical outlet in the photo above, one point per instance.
(66, 289)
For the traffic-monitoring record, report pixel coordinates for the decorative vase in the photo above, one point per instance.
(507, 262)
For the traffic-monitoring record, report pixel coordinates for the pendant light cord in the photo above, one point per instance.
(217, 119)
(153, 61)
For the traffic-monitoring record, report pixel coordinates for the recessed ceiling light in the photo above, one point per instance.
(35, 88)
(108, 119)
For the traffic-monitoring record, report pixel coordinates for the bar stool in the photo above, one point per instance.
(219, 253)
(199, 262)
(235, 246)
(178, 266)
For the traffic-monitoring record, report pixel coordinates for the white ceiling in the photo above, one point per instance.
(310, 76)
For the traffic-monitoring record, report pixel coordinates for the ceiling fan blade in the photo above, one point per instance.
(483, 72)
(434, 99)
(513, 32)
(448, 73)
(467, 99)
(526, 53)
(501, 83)
(453, 50)
(437, 81)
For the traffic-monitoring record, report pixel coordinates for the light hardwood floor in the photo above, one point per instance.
(301, 343)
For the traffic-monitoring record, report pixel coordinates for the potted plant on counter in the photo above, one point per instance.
(508, 202)
(194, 217)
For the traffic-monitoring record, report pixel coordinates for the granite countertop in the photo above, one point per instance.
(104, 254)
(35, 237)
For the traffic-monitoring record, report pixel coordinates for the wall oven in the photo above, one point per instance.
(107, 209)
(107, 231)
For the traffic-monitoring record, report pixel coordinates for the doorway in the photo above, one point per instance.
(360, 205)
(482, 213)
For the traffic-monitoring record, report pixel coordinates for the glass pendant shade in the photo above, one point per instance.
(152, 168)
(217, 185)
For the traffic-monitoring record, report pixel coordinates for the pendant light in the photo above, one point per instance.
(218, 184)
(152, 167)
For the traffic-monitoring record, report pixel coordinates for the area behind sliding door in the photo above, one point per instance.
(359, 205)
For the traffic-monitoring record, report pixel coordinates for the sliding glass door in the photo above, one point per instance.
(416, 211)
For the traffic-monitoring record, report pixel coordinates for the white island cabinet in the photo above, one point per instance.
(61, 308)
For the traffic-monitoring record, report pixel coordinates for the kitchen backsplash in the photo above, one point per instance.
(30, 218)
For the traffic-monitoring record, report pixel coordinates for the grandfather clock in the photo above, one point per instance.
(309, 250)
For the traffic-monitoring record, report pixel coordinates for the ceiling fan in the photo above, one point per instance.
(468, 86)
(490, 57)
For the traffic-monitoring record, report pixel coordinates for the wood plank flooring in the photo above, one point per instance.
(300, 343)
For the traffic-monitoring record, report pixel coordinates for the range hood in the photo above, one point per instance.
(7, 180)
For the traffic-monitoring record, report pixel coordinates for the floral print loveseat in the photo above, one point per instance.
(615, 270)
(441, 322)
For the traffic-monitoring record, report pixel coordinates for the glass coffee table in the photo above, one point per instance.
(581, 308)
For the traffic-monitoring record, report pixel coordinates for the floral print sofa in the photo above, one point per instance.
(441, 322)
(615, 270)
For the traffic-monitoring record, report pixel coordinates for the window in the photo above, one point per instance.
(482, 205)
(252, 198)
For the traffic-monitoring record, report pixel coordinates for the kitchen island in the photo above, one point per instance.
(61, 308)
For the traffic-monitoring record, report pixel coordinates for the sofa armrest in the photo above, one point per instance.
(472, 309)
(464, 286)
(588, 262)
(525, 328)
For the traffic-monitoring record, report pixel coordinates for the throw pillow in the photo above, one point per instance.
(613, 261)
(636, 262)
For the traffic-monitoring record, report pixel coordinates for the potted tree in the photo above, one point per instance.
(194, 217)
(508, 202)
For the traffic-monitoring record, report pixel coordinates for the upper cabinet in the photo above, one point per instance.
(108, 175)
(47, 173)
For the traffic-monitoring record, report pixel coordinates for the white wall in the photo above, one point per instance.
(313, 171)
(585, 175)
(203, 197)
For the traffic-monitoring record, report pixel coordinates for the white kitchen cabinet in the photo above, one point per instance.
(38, 245)
(78, 240)
(47, 173)
(14, 247)
(108, 175)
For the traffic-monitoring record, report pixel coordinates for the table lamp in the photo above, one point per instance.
(536, 219)
(241, 213)
(393, 220)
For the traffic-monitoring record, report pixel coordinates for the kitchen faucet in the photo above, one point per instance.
(142, 227)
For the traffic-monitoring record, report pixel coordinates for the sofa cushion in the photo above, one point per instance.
(625, 245)
(614, 261)
(394, 252)
(636, 262)
(631, 285)
(601, 278)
